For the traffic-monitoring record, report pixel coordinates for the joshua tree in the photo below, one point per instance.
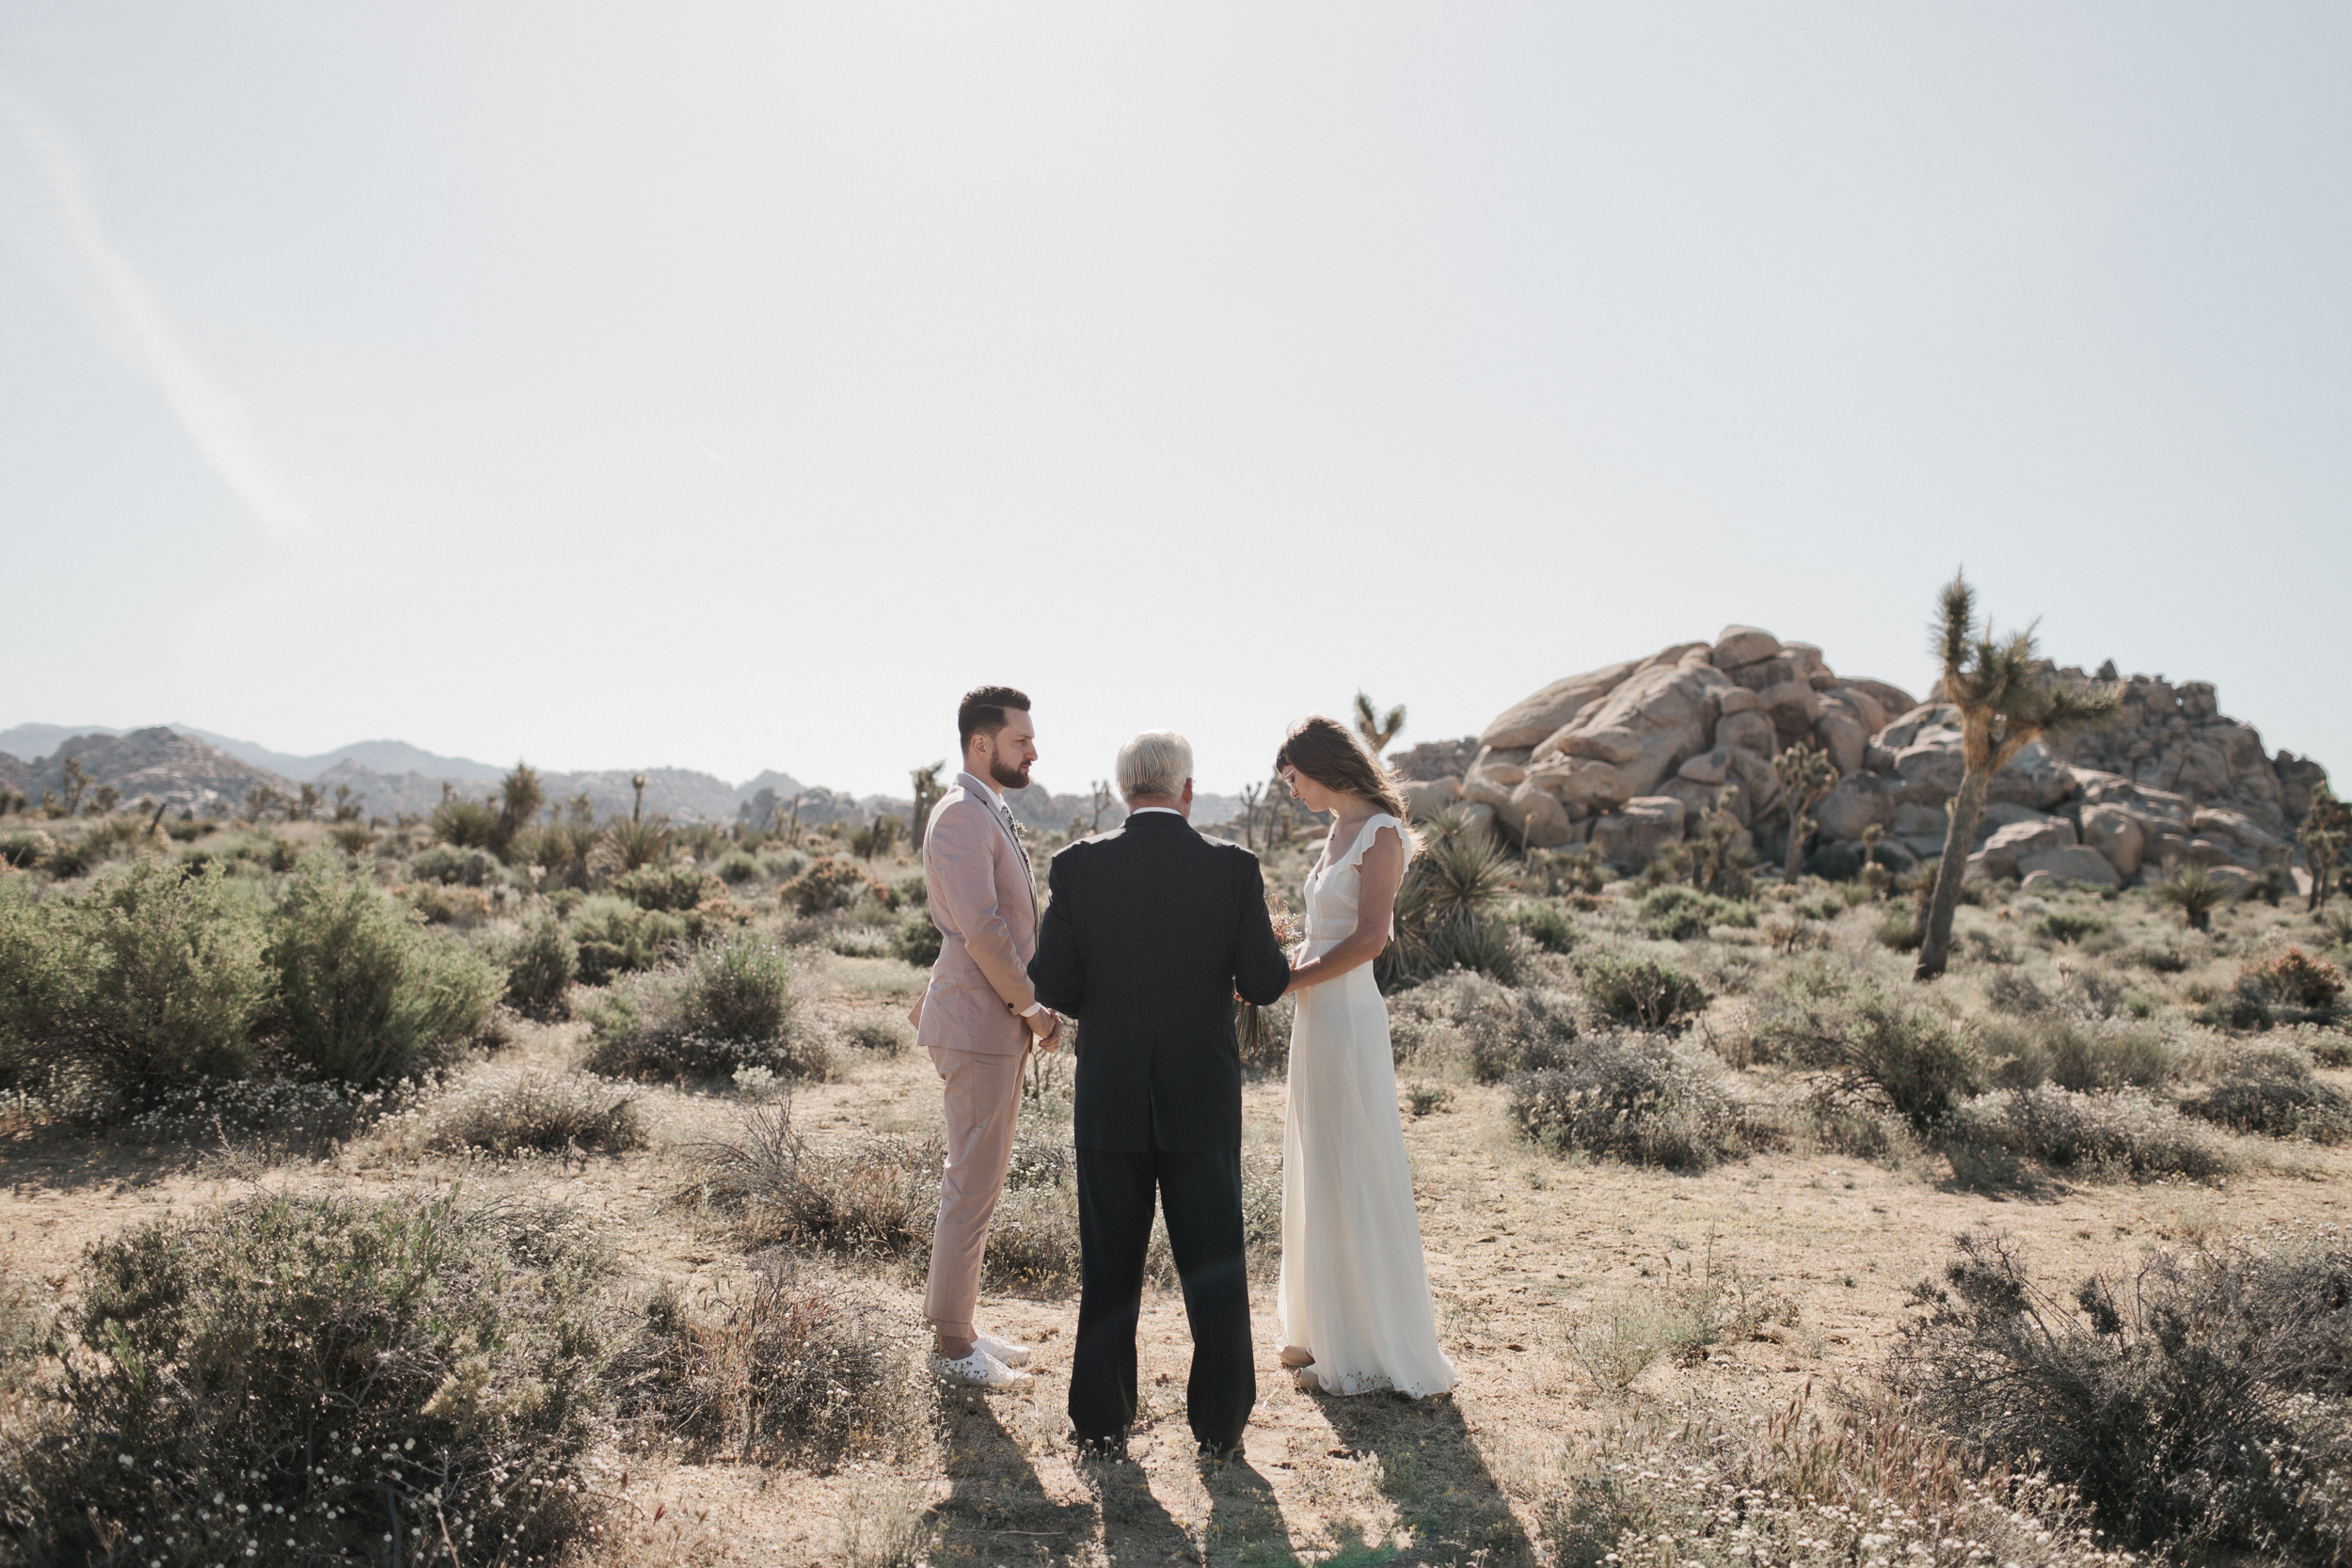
(2004, 701)
(1806, 774)
(104, 799)
(306, 803)
(75, 782)
(1101, 801)
(637, 782)
(1377, 732)
(926, 795)
(1716, 866)
(346, 805)
(2325, 829)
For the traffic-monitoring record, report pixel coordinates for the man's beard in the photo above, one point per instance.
(1009, 778)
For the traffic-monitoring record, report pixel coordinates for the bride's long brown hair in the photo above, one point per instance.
(1328, 752)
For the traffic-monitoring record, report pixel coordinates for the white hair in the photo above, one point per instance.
(1155, 763)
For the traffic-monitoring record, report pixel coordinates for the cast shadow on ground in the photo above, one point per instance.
(1433, 1475)
(997, 1511)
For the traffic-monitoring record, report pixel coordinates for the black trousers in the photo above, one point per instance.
(1201, 1194)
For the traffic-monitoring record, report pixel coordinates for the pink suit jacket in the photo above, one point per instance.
(985, 907)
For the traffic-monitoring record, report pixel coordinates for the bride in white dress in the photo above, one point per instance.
(1355, 1304)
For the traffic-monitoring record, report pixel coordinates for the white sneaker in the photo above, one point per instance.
(1011, 1355)
(979, 1369)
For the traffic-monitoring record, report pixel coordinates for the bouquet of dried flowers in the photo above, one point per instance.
(1253, 1025)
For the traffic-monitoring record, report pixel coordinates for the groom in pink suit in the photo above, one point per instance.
(979, 1015)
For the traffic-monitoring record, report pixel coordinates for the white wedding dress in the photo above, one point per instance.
(1354, 1289)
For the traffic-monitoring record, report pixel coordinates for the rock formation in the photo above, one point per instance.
(1628, 757)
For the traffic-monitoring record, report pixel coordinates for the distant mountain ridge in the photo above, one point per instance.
(187, 768)
(36, 742)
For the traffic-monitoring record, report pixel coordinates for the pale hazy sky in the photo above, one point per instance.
(729, 386)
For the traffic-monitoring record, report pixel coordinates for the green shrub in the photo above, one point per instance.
(829, 883)
(69, 861)
(1643, 992)
(729, 1006)
(539, 972)
(362, 993)
(737, 868)
(1899, 928)
(797, 1369)
(536, 1113)
(2205, 1403)
(2122, 1133)
(1886, 1050)
(1447, 917)
(26, 848)
(1632, 1098)
(618, 937)
(467, 824)
(152, 978)
(448, 865)
(917, 941)
(290, 1379)
(670, 888)
(2079, 1053)
(2066, 925)
(1546, 925)
(1679, 914)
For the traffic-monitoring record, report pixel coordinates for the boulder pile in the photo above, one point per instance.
(1629, 758)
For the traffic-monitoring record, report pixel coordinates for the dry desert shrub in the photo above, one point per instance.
(873, 1197)
(1677, 1321)
(2205, 1402)
(1636, 1097)
(795, 1367)
(1798, 1488)
(291, 1379)
(505, 1116)
(2122, 1132)
(2077, 1052)
(1641, 992)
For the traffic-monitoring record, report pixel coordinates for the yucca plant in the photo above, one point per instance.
(2004, 701)
(519, 799)
(638, 842)
(1447, 911)
(2195, 892)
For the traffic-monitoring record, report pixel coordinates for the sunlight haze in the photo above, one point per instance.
(728, 387)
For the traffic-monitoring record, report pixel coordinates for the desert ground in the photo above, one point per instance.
(1617, 1299)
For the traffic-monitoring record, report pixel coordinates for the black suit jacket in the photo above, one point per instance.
(1150, 930)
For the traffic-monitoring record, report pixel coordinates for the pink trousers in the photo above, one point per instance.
(983, 1103)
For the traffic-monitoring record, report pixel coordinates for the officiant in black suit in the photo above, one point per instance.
(1150, 931)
